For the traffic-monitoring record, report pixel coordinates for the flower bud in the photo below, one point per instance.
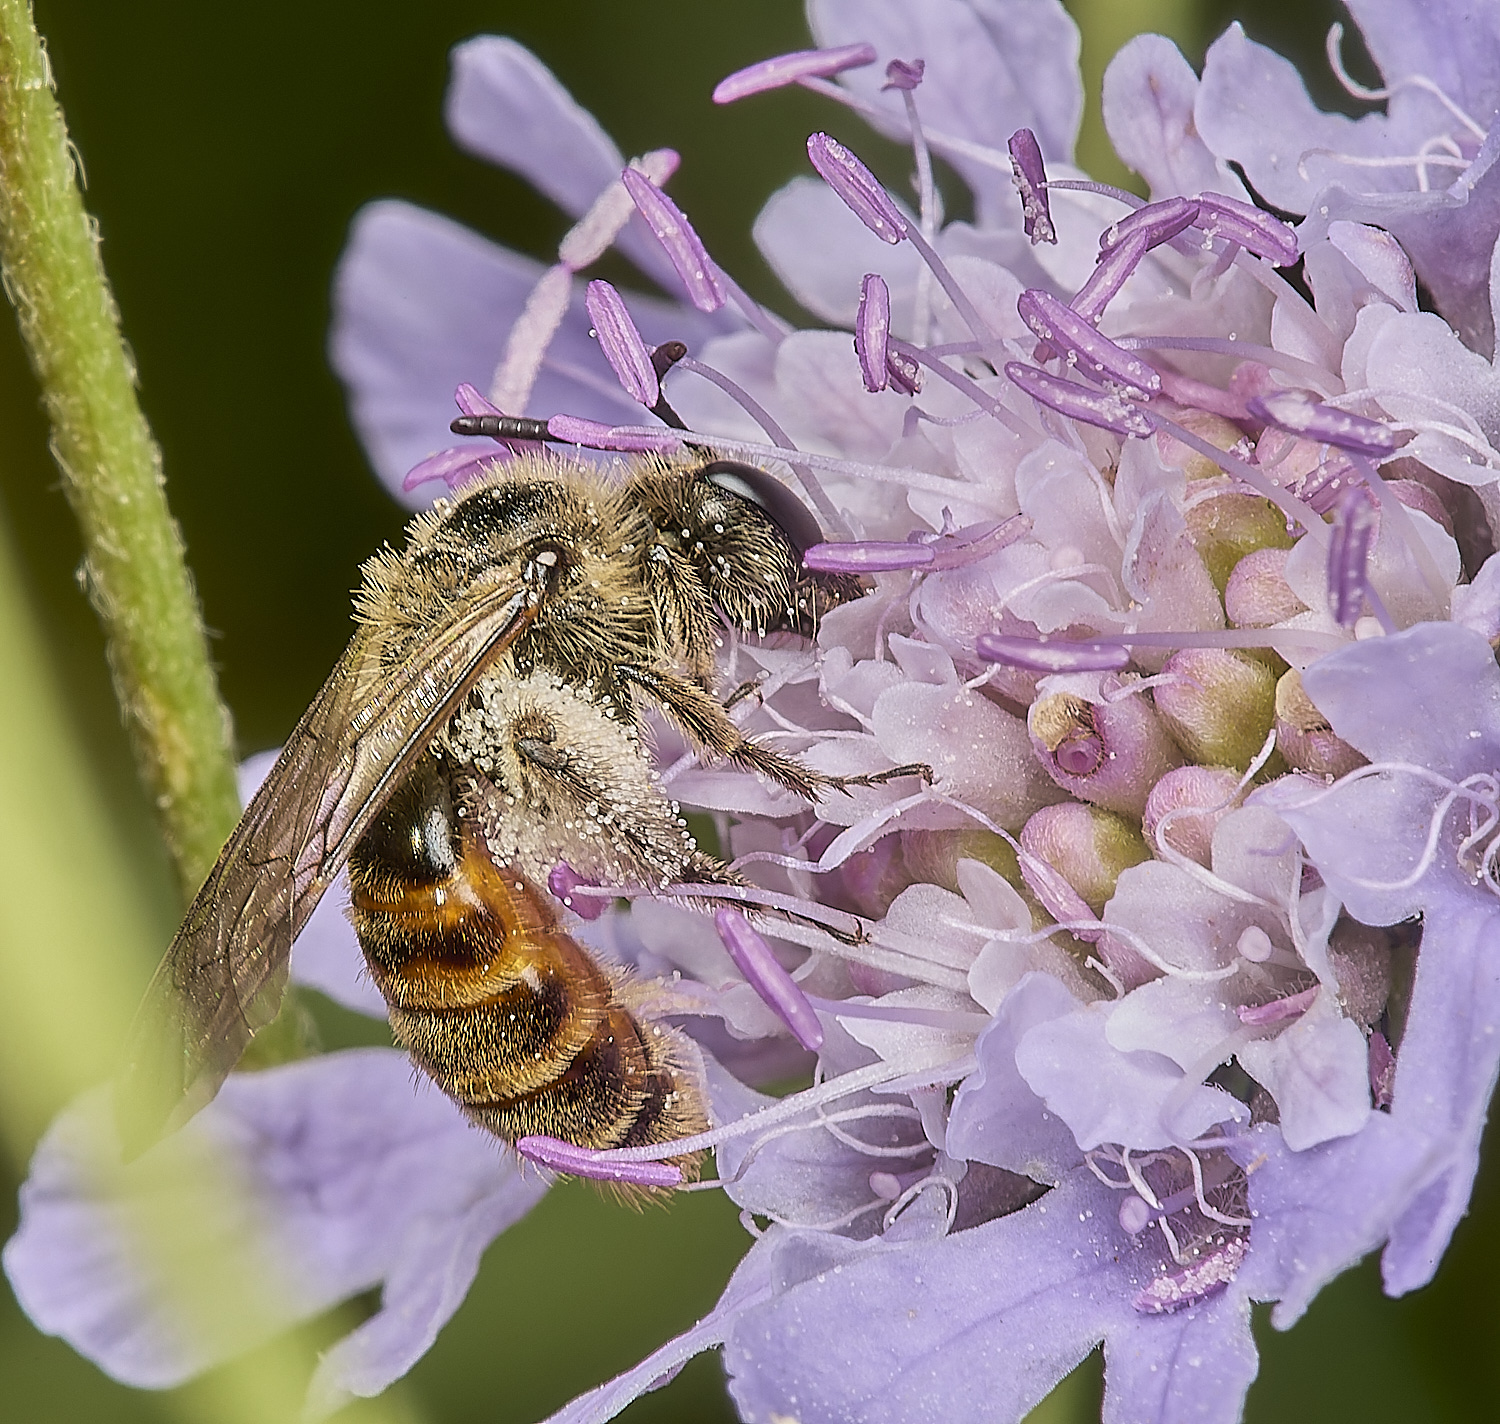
(1196, 798)
(1304, 736)
(1109, 753)
(1087, 846)
(1257, 594)
(1226, 527)
(1218, 704)
(1219, 432)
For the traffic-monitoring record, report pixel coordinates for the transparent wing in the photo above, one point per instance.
(224, 975)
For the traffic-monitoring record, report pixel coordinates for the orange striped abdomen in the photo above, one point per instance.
(509, 1015)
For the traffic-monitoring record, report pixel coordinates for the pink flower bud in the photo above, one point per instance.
(1257, 594)
(1089, 847)
(1305, 737)
(1196, 799)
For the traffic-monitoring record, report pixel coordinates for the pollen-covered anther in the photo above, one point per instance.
(1304, 735)
(683, 246)
(1109, 752)
(1203, 1278)
(1030, 175)
(560, 1156)
(1303, 414)
(752, 956)
(1081, 345)
(1246, 226)
(1106, 409)
(859, 189)
(783, 69)
(1156, 222)
(872, 332)
(1218, 704)
(621, 343)
(1088, 846)
(1348, 568)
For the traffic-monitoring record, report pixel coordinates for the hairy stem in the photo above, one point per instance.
(110, 464)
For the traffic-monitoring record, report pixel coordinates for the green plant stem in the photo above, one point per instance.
(110, 464)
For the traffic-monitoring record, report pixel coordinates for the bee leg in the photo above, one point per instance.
(744, 690)
(707, 723)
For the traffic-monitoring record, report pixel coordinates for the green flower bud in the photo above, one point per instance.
(1219, 706)
(1089, 847)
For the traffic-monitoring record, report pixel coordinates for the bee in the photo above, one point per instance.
(485, 724)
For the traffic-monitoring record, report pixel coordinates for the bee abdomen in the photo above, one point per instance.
(502, 1008)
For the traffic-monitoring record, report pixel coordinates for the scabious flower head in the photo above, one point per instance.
(1175, 589)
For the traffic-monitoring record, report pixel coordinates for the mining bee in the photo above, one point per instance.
(484, 725)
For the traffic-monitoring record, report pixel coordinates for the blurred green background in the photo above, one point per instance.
(227, 148)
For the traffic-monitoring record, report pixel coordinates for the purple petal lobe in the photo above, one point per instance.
(753, 957)
(621, 343)
(468, 399)
(574, 430)
(903, 74)
(1303, 415)
(857, 186)
(1093, 407)
(1064, 330)
(560, 1156)
(683, 245)
(1040, 655)
(786, 69)
(1030, 176)
(1243, 223)
(869, 556)
(872, 330)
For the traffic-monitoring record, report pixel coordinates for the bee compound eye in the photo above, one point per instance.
(762, 489)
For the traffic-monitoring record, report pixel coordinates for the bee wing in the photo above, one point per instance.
(225, 972)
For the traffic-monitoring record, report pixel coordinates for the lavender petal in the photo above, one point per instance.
(784, 69)
(857, 186)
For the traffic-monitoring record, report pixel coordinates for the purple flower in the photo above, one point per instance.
(1105, 1013)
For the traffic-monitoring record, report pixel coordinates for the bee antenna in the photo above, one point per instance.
(501, 427)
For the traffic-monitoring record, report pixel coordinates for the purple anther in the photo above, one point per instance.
(1076, 339)
(1278, 1010)
(1105, 409)
(1207, 1276)
(1042, 655)
(973, 542)
(1113, 269)
(784, 69)
(468, 399)
(559, 1156)
(904, 74)
(867, 556)
(857, 186)
(1156, 222)
(1304, 415)
(575, 430)
(563, 880)
(753, 958)
(621, 343)
(1030, 176)
(1349, 557)
(455, 466)
(1250, 227)
(683, 246)
(905, 374)
(872, 332)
